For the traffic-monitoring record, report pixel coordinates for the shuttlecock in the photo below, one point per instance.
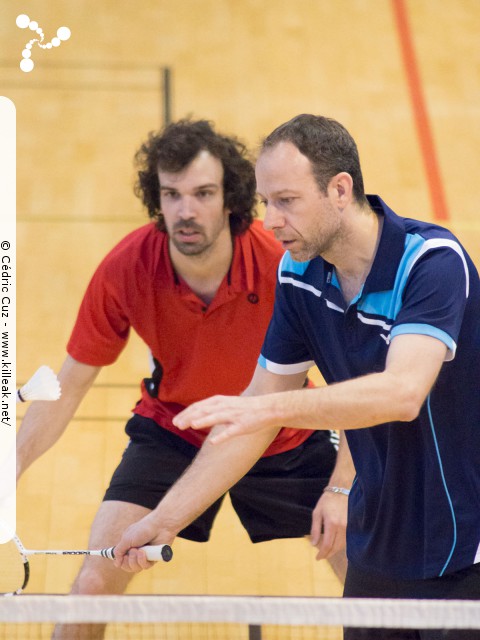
(43, 385)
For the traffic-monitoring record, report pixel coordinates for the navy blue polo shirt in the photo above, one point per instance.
(414, 508)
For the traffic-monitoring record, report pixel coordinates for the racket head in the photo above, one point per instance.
(14, 568)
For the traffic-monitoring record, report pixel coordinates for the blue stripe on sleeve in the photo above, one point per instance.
(427, 330)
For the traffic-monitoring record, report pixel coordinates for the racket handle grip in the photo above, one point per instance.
(158, 552)
(153, 552)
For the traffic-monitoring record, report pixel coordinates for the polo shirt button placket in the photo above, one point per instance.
(350, 318)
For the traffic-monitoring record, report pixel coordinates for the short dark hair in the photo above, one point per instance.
(173, 148)
(328, 146)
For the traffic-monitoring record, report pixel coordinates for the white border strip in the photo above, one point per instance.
(7, 317)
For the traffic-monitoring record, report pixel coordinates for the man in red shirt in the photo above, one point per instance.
(197, 285)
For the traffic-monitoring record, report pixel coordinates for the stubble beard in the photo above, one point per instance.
(203, 247)
(188, 249)
(320, 246)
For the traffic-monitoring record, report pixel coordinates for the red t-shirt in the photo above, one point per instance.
(203, 350)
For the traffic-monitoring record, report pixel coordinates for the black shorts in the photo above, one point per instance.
(461, 585)
(273, 500)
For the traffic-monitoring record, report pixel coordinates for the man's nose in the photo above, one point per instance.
(273, 218)
(186, 210)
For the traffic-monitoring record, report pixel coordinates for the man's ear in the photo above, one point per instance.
(340, 188)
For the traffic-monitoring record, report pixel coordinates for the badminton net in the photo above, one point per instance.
(227, 617)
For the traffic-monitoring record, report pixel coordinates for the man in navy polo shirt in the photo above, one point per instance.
(388, 308)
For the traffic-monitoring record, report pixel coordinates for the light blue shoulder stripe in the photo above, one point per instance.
(378, 303)
(389, 303)
(413, 245)
(427, 330)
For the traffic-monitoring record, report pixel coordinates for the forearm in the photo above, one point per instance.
(325, 407)
(394, 395)
(214, 470)
(217, 467)
(363, 402)
(35, 437)
(344, 471)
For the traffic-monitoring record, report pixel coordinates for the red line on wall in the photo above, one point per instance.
(422, 122)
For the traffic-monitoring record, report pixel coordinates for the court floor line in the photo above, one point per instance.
(420, 112)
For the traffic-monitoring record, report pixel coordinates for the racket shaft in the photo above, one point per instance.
(153, 552)
(106, 553)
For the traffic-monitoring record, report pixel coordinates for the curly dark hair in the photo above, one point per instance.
(173, 148)
(327, 144)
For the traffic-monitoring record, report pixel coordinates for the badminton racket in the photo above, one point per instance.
(15, 567)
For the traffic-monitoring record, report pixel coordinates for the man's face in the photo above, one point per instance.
(302, 218)
(191, 202)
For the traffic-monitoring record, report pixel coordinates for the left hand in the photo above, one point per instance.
(237, 415)
(329, 525)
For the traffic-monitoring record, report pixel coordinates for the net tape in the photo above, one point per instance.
(252, 610)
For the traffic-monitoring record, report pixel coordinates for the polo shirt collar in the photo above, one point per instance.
(240, 276)
(242, 271)
(390, 248)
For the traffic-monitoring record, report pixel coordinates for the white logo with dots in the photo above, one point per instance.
(24, 22)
